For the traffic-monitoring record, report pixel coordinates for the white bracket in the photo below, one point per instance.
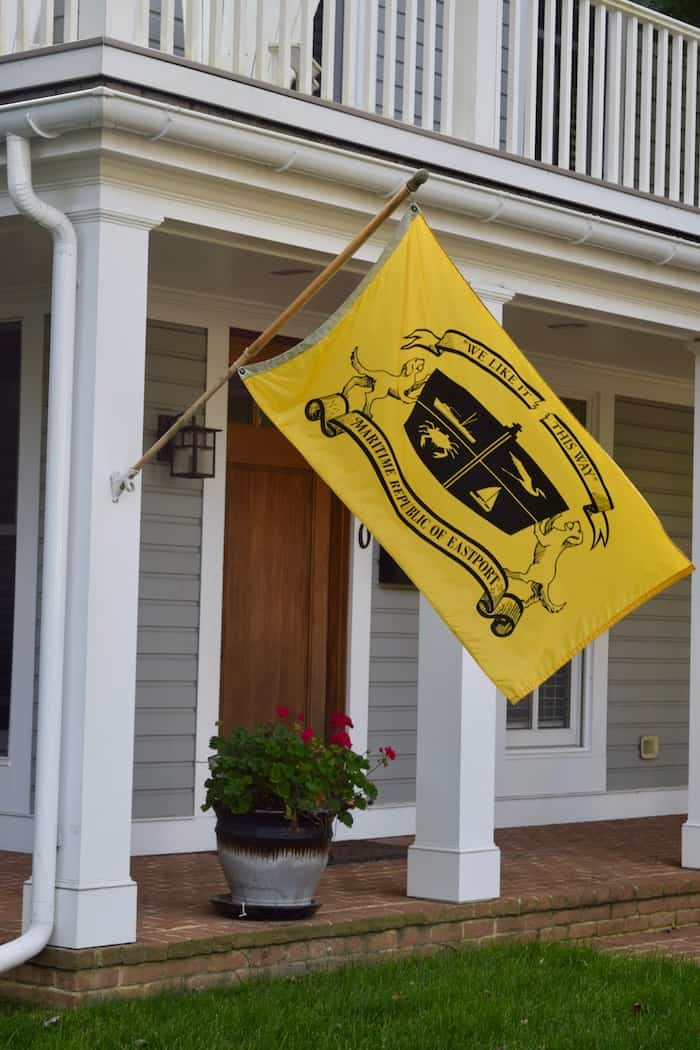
(121, 483)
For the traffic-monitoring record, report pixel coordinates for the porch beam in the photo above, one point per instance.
(454, 857)
(95, 896)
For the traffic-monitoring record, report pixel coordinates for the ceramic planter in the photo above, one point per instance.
(271, 867)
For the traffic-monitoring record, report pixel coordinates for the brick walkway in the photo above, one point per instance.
(619, 882)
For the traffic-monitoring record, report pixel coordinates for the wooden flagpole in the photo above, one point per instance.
(125, 482)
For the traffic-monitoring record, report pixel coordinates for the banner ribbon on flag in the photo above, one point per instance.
(496, 604)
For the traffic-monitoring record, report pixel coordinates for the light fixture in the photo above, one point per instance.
(192, 452)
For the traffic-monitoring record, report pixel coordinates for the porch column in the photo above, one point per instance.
(454, 857)
(690, 841)
(95, 896)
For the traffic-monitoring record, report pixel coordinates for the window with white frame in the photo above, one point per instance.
(552, 714)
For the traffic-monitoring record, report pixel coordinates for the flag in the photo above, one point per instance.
(418, 410)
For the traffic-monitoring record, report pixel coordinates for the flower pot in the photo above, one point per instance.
(271, 867)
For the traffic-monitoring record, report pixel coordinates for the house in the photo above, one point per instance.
(202, 160)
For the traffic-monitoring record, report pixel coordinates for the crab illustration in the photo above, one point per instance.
(442, 444)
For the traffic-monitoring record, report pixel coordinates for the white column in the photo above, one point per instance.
(454, 857)
(477, 71)
(95, 897)
(690, 852)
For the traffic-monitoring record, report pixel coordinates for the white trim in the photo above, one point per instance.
(212, 564)
(173, 835)
(359, 635)
(571, 809)
(16, 832)
(389, 821)
(690, 838)
(576, 378)
(538, 737)
(196, 834)
(15, 771)
(545, 771)
(379, 822)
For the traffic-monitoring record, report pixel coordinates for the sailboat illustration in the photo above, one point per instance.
(486, 497)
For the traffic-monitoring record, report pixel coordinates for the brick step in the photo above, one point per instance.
(643, 914)
(679, 941)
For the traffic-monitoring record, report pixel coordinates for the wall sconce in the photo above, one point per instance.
(192, 452)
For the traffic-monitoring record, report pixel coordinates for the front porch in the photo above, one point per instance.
(616, 882)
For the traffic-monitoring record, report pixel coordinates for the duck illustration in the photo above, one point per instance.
(523, 477)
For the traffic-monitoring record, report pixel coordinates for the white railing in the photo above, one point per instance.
(381, 56)
(26, 24)
(605, 88)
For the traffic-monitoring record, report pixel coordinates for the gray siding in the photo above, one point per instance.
(168, 624)
(400, 60)
(393, 686)
(505, 45)
(650, 649)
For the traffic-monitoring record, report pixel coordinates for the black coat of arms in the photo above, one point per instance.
(478, 459)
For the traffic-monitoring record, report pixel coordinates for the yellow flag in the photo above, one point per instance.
(418, 410)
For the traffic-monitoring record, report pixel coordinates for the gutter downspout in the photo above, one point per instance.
(53, 595)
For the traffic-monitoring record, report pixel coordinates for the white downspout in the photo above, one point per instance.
(53, 594)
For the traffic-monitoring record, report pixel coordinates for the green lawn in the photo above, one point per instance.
(520, 997)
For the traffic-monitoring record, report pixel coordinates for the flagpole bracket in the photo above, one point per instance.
(121, 483)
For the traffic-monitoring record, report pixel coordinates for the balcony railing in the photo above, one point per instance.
(605, 88)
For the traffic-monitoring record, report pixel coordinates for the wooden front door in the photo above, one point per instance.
(285, 592)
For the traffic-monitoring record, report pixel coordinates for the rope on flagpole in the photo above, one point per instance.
(124, 482)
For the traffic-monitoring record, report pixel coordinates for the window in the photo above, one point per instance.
(390, 573)
(552, 715)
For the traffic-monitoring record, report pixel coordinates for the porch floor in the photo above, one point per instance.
(617, 881)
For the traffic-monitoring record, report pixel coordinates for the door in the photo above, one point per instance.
(285, 592)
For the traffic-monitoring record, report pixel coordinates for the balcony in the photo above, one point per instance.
(605, 89)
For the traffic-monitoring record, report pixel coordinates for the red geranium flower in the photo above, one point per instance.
(282, 711)
(340, 720)
(341, 737)
(389, 752)
(300, 718)
(307, 735)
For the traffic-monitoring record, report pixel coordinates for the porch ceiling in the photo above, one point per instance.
(603, 340)
(214, 266)
(211, 264)
(259, 272)
(25, 254)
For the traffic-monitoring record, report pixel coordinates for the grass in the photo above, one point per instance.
(516, 997)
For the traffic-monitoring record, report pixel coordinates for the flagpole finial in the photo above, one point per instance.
(416, 180)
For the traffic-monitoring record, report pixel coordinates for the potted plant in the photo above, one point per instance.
(276, 790)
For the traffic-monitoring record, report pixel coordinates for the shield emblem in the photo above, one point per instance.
(478, 459)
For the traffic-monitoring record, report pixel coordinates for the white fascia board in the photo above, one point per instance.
(102, 107)
(261, 103)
